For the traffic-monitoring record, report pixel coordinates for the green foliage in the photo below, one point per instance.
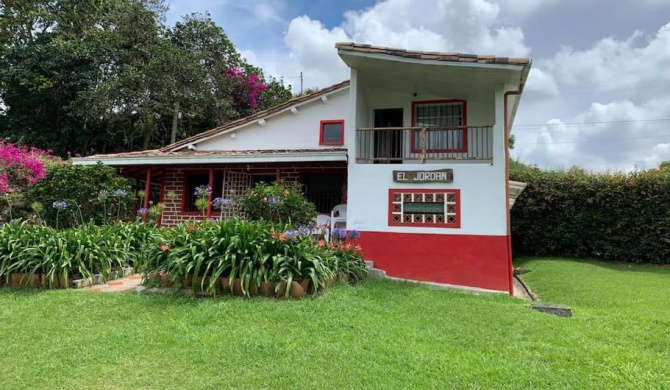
(81, 252)
(89, 192)
(109, 75)
(281, 203)
(613, 216)
(252, 251)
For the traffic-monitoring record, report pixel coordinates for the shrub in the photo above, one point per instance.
(20, 168)
(612, 216)
(281, 203)
(254, 252)
(90, 193)
(71, 253)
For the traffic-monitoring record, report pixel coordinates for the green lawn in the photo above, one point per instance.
(380, 334)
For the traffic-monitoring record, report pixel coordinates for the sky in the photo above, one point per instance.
(598, 95)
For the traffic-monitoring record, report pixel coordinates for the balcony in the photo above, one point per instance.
(398, 145)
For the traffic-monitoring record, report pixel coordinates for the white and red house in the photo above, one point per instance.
(415, 144)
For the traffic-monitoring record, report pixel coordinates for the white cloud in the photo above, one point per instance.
(622, 86)
(445, 25)
(616, 65)
(541, 83)
(525, 8)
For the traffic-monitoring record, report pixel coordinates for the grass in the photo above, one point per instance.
(381, 334)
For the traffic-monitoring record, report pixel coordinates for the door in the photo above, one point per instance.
(323, 189)
(388, 144)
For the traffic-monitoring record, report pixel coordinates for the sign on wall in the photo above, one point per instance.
(436, 176)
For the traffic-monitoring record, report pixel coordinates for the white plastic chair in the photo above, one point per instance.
(338, 215)
(322, 222)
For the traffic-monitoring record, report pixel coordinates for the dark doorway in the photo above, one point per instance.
(267, 179)
(388, 144)
(323, 189)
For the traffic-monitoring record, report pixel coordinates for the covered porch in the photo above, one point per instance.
(171, 178)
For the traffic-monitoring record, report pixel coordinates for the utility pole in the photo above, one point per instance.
(301, 83)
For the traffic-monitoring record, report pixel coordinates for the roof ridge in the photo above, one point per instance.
(256, 115)
(431, 55)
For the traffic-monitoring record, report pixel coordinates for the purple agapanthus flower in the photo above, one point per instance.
(276, 199)
(220, 203)
(60, 205)
(353, 234)
(291, 234)
(142, 211)
(339, 233)
(204, 190)
(304, 230)
(120, 193)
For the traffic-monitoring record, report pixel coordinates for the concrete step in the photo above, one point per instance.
(369, 264)
(375, 273)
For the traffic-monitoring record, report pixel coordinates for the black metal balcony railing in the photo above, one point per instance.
(395, 145)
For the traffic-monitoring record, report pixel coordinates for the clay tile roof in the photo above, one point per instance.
(430, 55)
(257, 116)
(199, 153)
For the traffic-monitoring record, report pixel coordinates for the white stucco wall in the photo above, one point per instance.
(285, 130)
(482, 184)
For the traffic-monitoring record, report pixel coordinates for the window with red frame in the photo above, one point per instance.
(426, 208)
(192, 180)
(332, 132)
(450, 119)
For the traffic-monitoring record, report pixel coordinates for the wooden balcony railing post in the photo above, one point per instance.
(424, 146)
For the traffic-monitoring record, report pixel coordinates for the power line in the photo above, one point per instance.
(588, 142)
(592, 123)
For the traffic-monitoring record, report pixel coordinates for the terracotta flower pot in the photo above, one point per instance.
(237, 287)
(281, 289)
(188, 281)
(23, 280)
(57, 283)
(305, 283)
(296, 290)
(224, 285)
(199, 281)
(164, 280)
(267, 289)
(253, 288)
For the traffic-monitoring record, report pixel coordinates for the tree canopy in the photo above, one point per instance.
(104, 76)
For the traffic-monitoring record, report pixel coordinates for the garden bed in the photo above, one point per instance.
(39, 280)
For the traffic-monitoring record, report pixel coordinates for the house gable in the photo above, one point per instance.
(298, 128)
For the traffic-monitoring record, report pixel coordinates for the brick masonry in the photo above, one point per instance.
(236, 179)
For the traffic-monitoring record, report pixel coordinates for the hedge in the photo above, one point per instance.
(610, 216)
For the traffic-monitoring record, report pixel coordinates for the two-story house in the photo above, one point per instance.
(415, 144)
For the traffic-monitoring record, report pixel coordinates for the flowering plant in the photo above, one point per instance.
(245, 89)
(202, 194)
(277, 203)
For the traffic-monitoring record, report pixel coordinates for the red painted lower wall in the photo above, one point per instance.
(465, 260)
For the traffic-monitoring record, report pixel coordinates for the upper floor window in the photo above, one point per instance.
(445, 121)
(332, 132)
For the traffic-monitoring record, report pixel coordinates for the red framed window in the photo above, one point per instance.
(424, 208)
(194, 179)
(448, 118)
(332, 132)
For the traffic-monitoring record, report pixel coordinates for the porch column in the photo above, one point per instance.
(209, 196)
(147, 191)
(278, 173)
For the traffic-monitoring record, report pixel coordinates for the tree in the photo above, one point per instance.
(108, 75)
(665, 166)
